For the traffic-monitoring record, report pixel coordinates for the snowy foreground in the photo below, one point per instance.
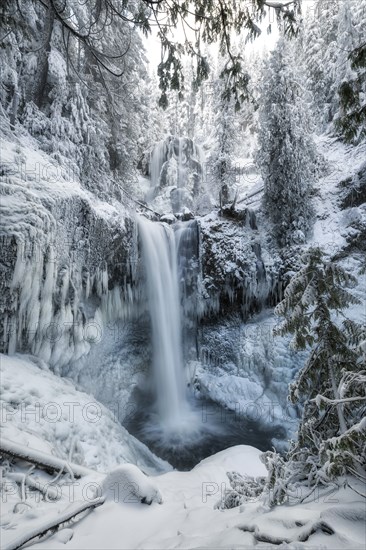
(187, 517)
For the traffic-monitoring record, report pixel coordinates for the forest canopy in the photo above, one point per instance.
(200, 22)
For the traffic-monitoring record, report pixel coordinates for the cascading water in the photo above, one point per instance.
(176, 175)
(160, 261)
(179, 426)
(157, 160)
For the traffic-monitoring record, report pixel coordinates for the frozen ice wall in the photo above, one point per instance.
(176, 173)
(68, 264)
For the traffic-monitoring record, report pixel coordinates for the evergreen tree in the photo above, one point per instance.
(287, 154)
(333, 49)
(225, 139)
(318, 52)
(204, 111)
(331, 385)
(247, 117)
(153, 123)
(55, 87)
(351, 76)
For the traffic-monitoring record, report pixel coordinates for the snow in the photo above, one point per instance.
(47, 413)
(331, 226)
(188, 517)
(253, 380)
(128, 484)
(186, 511)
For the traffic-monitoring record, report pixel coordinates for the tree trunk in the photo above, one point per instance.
(339, 406)
(40, 78)
(14, 107)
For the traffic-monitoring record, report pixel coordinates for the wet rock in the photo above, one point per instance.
(168, 218)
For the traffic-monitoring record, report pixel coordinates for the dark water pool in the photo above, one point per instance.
(210, 429)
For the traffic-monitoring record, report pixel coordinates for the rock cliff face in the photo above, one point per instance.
(68, 262)
(239, 272)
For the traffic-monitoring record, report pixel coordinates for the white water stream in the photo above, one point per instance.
(159, 255)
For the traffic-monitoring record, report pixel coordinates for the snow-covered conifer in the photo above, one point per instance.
(350, 76)
(331, 385)
(287, 154)
(225, 139)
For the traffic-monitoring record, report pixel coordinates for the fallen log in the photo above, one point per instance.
(251, 195)
(49, 463)
(304, 533)
(53, 524)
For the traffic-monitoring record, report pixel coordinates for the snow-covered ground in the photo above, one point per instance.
(47, 413)
(189, 515)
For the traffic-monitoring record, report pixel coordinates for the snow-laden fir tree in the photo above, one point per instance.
(247, 117)
(333, 49)
(204, 108)
(331, 387)
(319, 53)
(183, 112)
(222, 167)
(346, 41)
(350, 81)
(287, 154)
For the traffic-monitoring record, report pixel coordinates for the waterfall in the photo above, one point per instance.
(159, 256)
(179, 426)
(156, 162)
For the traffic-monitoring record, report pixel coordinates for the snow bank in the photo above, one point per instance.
(47, 413)
(128, 484)
(188, 519)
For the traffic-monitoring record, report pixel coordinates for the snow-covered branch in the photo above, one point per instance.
(320, 398)
(53, 524)
(43, 460)
(45, 488)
